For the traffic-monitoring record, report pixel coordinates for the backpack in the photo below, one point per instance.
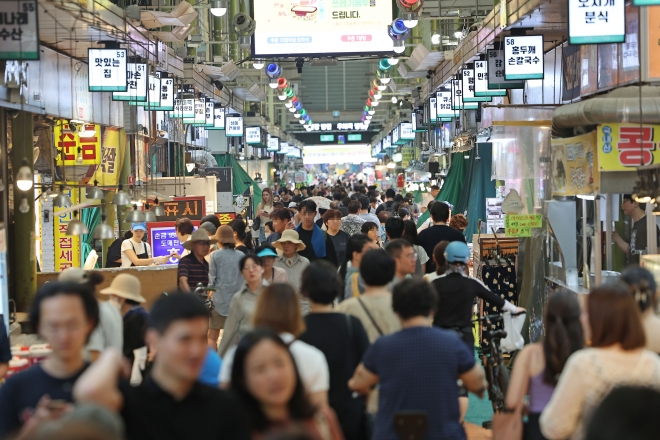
(389, 207)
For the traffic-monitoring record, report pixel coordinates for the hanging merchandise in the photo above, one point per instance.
(481, 80)
(523, 57)
(596, 22)
(496, 80)
(136, 84)
(107, 70)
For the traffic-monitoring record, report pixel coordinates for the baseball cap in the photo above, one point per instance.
(139, 225)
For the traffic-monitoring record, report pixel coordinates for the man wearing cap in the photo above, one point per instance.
(293, 263)
(125, 294)
(193, 268)
(226, 278)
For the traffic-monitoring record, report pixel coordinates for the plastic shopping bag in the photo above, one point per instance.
(513, 327)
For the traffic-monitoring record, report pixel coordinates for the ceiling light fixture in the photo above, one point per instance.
(393, 61)
(258, 64)
(436, 39)
(219, 7)
(24, 177)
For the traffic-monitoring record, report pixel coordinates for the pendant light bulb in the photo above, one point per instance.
(24, 177)
(24, 207)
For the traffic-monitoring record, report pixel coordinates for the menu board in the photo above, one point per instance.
(521, 225)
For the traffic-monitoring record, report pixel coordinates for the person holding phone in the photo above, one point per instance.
(64, 315)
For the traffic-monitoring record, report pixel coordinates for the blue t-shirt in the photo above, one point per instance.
(210, 374)
(418, 368)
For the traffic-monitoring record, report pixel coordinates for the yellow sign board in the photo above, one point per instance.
(76, 147)
(67, 247)
(575, 166)
(112, 159)
(624, 147)
(521, 225)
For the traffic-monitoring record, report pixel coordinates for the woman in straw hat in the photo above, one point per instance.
(124, 293)
(293, 263)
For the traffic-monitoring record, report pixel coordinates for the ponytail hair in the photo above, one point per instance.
(641, 285)
(563, 333)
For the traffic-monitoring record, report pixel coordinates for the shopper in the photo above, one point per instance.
(64, 315)
(365, 215)
(371, 230)
(281, 219)
(374, 307)
(352, 223)
(113, 256)
(383, 216)
(333, 221)
(193, 268)
(538, 366)
(170, 403)
(109, 331)
(265, 379)
(616, 356)
(430, 196)
(418, 368)
(226, 278)
(439, 260)
(243, 243)
(264, 208)
(291, 260)
(272, 274)
(387, 205)
(406, 260)
(433, 235)
(84, 422)
(343, 341)
(135, 252)
(354, 285)
(210, 230)
(317, 244)
(458, 222)
(638, 244)
(268, 229)
(184, 229)
(125, 294)
(5, 350)
(410, 235)
(394, 228)
(643, 288)
(241, 309)
(211, 218)
(278, 309)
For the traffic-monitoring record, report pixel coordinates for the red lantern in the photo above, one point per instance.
(400, 181)
(282, 83)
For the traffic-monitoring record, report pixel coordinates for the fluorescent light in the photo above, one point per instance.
(399, 46)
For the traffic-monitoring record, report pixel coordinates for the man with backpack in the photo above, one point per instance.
(389, 203)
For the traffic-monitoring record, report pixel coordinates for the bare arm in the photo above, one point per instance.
(475, 380)
(99, 383)
(143, 262)
(183, 284)
(319, 398)
(625, 247)
(3, 369)
(560, 418)
(519, 381)
(362, 380)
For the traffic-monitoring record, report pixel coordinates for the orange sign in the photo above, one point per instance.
(653, 49)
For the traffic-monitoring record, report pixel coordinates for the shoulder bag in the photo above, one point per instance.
(371, 318)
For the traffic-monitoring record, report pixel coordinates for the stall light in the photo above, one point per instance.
(135, 216)
(399, 46)
(586, 196)
(121, 198)
(76, 227)
(411, 23)
(158, 209)
(368, 117)
(149, 216)
(374, 103)
(94, 192)
(397, 157)
(643, 198)
(296, 115)
(62, 200)
(258, 64)
(393, 61)
(378, 96)
(371, 111)
(391, 165)
(292, 109)
(288, 104)
(190, 166)
(79, 158)
(272, 83)
(656, 210)
(281, 97)
(458, 35)
(436, 39)
(394, 100)
(302, 121)
(24, 177)
(219, 9)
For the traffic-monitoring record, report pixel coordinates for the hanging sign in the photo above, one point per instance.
(624, 147)
(407, 132)
(192, 207)
(252, 135)
(199, 117)
(183, 108)
(481, 80)
(395, 135)
(208, 115)
(166, 95)
(574, 164)
(153, 94)
(571, 72)
(234, 126)
(432, 109)
(107, 70)
(444, 109)
(112, 158)
(457, 96)
(387, 142)
(136, 84)
(468, 87)
(523, 57)
(273, 144)
(218, 119)
(164, 241)
(597, 21)
(521, 225)
(284, 148)
(496, 79)
(71, 147)
(67, 247)
(19, 30)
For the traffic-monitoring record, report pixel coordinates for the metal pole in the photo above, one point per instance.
(608, 230)
(651, 231)
(585, 265)
(597, 243)
(22, 250)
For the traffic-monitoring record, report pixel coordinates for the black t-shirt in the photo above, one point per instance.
(639, 240)
(135, 326)
(456, 294)
(384, 206)
(430, 237)
(343, 350)
(242, 248)
(114, 253)
(21, 393)
(150, 413)
(306, 237)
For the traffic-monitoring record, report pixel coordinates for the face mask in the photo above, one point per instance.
(115, 303)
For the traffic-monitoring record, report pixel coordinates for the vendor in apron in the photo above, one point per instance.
(135, 252)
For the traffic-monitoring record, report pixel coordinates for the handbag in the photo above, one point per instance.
(256, 223)
(508, 425)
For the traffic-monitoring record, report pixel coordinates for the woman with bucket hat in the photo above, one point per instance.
(291, 261)
(125, 294)
(135, 252)
(226, 278)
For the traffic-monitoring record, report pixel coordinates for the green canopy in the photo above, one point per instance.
(239, 177)
(91, 217)
(453, 186)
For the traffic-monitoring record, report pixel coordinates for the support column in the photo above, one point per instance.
(271, 106)
(23, 259)
(234, 8)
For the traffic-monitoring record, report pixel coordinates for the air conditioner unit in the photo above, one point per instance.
(230, 70)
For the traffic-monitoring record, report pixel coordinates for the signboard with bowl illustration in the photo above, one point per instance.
(575, 166)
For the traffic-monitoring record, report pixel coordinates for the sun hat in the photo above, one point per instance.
(198, 235)
(125, 286)
(208, 227)
(266, 253)
(139, 225)
(73, 275)
(291, 236)
(225, 234)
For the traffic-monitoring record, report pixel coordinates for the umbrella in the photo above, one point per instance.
(321, 202)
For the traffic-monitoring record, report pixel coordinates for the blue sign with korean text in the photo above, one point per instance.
(164, 242)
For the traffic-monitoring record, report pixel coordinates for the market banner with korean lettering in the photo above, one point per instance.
(67, 247)
(575, 166)
(77, 147)
(624, 147)
(112, 159)
(191, 207)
